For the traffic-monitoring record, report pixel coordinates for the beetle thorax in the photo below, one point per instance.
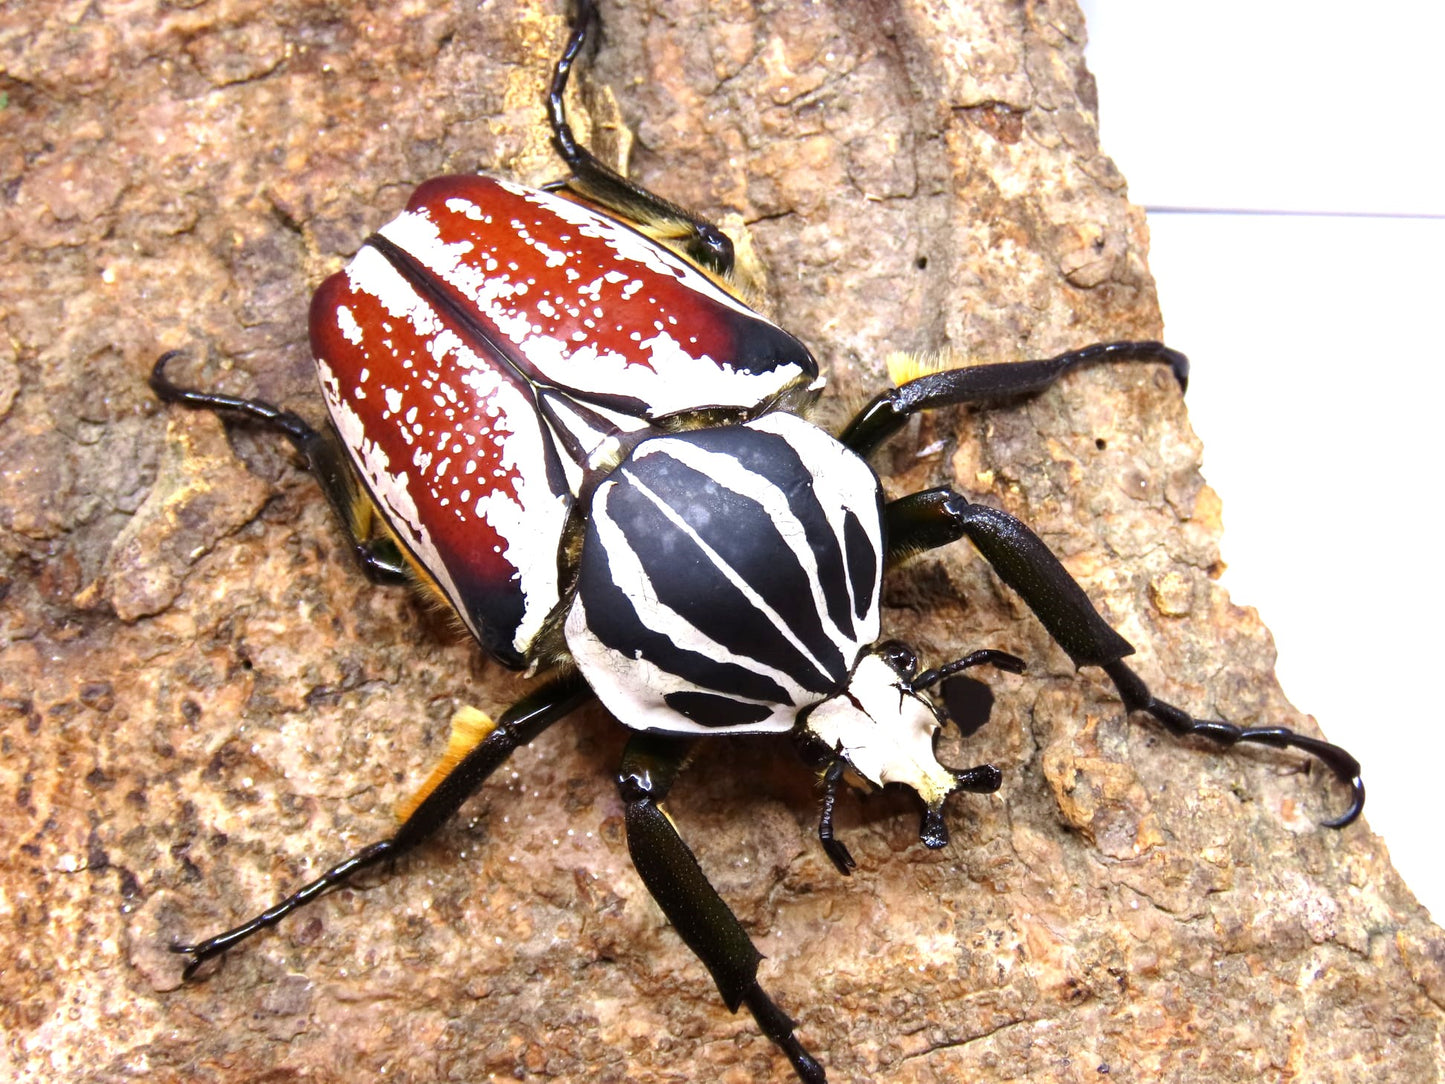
(728, 578)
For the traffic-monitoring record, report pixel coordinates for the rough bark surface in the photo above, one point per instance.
(202, 700)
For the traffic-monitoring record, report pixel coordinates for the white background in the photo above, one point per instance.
(1310, 316)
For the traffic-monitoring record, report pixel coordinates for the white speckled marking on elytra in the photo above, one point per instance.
(675, 380)
(627, 243)
(369, 272)
(680, 382)
(346, 321)
(416, 234)
(465, 207)
(529, 512)
(391, 490)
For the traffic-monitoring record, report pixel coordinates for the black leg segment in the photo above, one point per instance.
(883, 417)
(292, 426)
(380, 556)
(985, 656)
(695, 238)
(671, 872)
(1137, 697)
(835, 848)
(939, 516)
(521, 723)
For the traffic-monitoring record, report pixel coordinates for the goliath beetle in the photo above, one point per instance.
(551, 410)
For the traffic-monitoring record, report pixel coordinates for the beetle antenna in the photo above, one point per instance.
(1002, 660)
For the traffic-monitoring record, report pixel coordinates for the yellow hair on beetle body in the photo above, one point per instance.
(903, 366)
(470, 727)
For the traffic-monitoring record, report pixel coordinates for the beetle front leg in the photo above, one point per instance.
(671, 873)
(379, 556)
(679, 229)
(1137, 697)
(887, 413)
(835, 848)
(521, 724)
(939, 516)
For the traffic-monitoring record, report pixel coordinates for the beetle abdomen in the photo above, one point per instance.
(729, 577)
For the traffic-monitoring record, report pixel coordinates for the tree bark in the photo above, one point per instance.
(202, 702)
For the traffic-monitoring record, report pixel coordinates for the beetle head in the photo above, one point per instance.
(884, 729)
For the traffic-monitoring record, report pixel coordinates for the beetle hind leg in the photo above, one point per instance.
(671, 873)
(380, 555)
(689, 235)
(940, 516)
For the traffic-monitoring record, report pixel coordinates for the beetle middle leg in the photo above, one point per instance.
(671, 872)
(940, 516)
(888, 412)
(518, 726)
(691, 236)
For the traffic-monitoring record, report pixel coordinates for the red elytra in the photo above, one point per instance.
(492, 349)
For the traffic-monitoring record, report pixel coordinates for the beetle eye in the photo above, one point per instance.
(900, 656)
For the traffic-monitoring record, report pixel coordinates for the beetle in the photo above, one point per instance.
(552, 410)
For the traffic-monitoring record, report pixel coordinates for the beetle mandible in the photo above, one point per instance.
(550, 409)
